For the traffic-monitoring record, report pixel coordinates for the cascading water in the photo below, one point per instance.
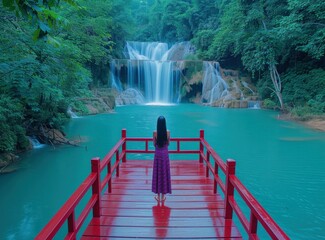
(155, 73)
(214, 87)
(35, 143)
(152, 69)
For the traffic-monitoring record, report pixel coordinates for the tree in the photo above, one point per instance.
(39, 12)
(304, 26)
(247, 30)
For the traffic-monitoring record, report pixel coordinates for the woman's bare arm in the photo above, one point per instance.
(154, 138)
(168, 136)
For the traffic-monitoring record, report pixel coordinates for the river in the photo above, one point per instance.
(282, 163)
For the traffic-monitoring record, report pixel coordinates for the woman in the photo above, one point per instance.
(161, 184)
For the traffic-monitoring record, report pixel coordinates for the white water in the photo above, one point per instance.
(71, 113)
(35, 143)
(152, 69)
(214, 87)
(254, 105)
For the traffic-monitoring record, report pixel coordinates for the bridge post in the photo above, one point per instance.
(201, 145)
(207, 167)
(124, 145)
(230, 170)
(252, 224)
(117, 159)
(95, 168)
(216, 169)
(72, 225)
(109, 172)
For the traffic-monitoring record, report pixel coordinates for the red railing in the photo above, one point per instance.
(67, 212)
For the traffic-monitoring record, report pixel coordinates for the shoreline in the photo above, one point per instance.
(316, 122)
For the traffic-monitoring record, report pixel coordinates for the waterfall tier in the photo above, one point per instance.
(158, 74)
(153, 69)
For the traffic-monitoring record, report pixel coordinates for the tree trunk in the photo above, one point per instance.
(276, 80)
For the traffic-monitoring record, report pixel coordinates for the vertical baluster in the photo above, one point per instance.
(216, 169)
(109, 171)
(207, 167)
(252, 224)
(201, 145)
(72, 225)
(231, 164)
(118, 165)
(96, 189)
(124, 145)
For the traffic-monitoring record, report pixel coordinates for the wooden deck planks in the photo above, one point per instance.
(192, 211)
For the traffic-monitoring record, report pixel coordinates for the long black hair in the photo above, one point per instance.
(161, 131)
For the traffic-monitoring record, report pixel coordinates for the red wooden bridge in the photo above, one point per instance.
(205, 195)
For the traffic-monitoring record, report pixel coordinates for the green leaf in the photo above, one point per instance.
(8, 3)
(51, 14)
(43, 27)
(53, 41)
(36, 34)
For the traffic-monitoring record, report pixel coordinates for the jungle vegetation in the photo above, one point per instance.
(55, 51)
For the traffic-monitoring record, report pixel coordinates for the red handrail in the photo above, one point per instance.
(119, 153)
(232, 183)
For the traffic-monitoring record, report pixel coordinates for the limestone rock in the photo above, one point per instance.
(129, 96)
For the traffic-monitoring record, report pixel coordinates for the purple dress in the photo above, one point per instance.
(161, 171)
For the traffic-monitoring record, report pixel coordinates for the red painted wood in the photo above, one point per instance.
(95, 168)
(54, 225)
(194, 198)
(163, 232)
(191, 211)
(148, 222)
(260, 214)
(229, 188)
(148, 197)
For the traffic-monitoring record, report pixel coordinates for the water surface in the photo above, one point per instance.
(282, 164)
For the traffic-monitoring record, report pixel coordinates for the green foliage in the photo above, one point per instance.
(40, 13)
(79, 107)
(270, 104)
(41, 79)
(303, 112)
(11, 119)
(304, 26)
(167, 21)
(305, 87)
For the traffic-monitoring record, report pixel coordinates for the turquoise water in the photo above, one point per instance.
(281, 163)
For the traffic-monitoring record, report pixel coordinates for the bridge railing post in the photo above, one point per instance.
(207, 167)
(216, 169)
(201, 145)
(109, 171)
(124, 145)
(96, 189)
(117, 159)
(72, 224)
(252, 224)
(230, 170)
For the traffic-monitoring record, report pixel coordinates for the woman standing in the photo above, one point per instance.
(161, 184)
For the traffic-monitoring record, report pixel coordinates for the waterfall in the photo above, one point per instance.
(35, 143)
(254, 104)
(152, 68)
(71, 113)
(214, 87)
(115, 74)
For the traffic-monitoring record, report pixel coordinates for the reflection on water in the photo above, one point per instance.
(281, 163)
